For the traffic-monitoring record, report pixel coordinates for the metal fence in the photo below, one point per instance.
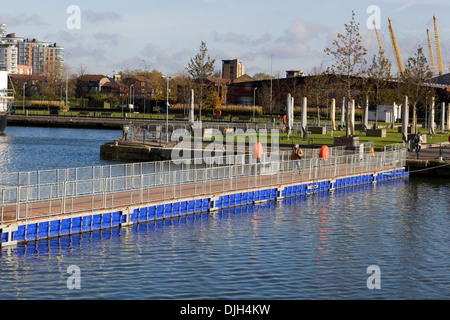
(139, 186)
(43, 177)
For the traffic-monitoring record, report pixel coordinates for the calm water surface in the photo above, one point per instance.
(316, 247)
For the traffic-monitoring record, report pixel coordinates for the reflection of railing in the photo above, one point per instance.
(138, 187)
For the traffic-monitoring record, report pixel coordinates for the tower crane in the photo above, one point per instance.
(398, 58)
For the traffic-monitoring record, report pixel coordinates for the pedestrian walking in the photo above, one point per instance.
(296, 156)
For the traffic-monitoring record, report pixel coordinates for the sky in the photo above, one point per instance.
(106, 37)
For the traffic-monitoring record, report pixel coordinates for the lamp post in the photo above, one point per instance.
(67, 79)
(131, 105)
(271, 78)
(254, 103)
(167, 109)
(23, 106)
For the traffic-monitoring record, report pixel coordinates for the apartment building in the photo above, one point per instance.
(8, 57)
(30, 56)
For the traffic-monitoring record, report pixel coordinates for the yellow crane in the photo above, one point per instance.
(430, 51)
(382, 52)
(438, 48)
(398, 58)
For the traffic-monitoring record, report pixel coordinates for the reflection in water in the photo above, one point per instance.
(314, 247)
(5, 153)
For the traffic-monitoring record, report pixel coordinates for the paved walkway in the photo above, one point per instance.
(432, 152)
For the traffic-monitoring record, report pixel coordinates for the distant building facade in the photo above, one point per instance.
(232, 69)
(29, 55)
(89, 83)
(8, 57)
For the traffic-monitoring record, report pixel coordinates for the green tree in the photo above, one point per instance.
(199, 68)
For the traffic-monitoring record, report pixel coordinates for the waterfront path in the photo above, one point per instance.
(432, 152)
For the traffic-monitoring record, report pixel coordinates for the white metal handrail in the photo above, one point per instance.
(105, 192)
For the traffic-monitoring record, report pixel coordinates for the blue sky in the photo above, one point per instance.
(164, 35)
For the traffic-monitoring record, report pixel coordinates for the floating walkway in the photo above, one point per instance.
(57, 203)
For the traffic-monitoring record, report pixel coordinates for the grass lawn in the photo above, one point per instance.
(392, 137)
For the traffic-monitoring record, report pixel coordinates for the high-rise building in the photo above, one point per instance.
(31, 55)
(8, 57)
(232, 69)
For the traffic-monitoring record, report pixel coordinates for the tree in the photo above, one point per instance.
(261, 76)
(317, 86)
(199, 68)
(378, 78)
(348, 53)
(416, 74)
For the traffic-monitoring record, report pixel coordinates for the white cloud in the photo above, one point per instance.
(94, 17)
(22, 19)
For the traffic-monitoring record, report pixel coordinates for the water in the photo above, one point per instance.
(30, 149)
(316, 247)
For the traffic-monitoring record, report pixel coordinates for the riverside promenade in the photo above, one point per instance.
(56, 203)
(432, 160)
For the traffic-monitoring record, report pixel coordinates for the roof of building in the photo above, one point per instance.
(244, 78)
(114, 84)
(134, 79)
(222, 81)
(92, 77)
(443, 80)
(27, 77)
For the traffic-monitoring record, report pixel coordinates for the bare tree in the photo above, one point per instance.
(348, 53)
(412, 83)
(378, 79)
(82, 70)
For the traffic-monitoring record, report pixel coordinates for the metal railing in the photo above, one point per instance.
(43, 177)
(67, 196)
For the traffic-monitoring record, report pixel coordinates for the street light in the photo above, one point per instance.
(23, 106)
(167, 109)
(254, 103)
(131, 104)
(67, 79)
(271, 78)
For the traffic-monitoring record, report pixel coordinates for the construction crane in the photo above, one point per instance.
(438, 48)
(382, 52)
(430, 51)
(398, 58)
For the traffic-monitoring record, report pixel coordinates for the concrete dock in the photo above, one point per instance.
(432, 160)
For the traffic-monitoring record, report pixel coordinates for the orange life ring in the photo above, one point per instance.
(284, 119)
(218, 113)
(258, 150)
(324, 153)
(138, 131)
